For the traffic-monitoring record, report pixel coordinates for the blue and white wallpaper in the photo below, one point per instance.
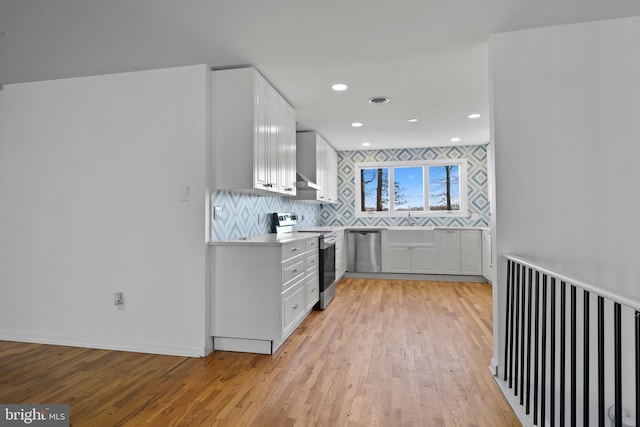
(247, 215)
(250, 215)
(478, 190)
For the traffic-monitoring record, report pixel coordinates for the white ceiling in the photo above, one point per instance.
(428, 56)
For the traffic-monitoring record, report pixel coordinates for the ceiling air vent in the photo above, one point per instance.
(378, 100)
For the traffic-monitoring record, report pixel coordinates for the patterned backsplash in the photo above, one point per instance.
(478, 194)
(248, 215)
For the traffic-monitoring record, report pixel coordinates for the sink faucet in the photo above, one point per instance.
(410, 220)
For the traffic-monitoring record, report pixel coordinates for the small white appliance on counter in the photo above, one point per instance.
(285, 222)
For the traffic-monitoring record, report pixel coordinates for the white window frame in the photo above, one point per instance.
(461, 163)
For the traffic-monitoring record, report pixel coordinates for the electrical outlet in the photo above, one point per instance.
(217, 212)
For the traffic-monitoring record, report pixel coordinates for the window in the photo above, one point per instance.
(425, 188)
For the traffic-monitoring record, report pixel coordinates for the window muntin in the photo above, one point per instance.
(392, 188)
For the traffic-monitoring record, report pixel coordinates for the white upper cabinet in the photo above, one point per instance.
(318, 161)
(286, 148)
(253, 134)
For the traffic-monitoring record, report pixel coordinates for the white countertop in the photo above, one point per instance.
(273, 239)
(411, 227)
(324, 229)
(270, 239)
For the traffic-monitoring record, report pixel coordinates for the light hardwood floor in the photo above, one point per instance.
(384, 353)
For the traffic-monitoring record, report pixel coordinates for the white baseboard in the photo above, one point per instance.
(514, 402)
(104, 344)
(409, 276)
(493, 367)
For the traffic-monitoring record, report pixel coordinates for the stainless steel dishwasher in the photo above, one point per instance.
(364, 251)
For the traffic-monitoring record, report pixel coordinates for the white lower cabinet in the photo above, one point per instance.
(424, 259)
(261, 293)
(293, 307)
(409, 251)
(448, 251)
(439, 251)
(471, 252)
(312, 276)
(459, 251)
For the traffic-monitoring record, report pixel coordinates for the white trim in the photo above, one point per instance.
(243, 345)
(493, 367)
(549, 271)
(104, 344)
(514, 402)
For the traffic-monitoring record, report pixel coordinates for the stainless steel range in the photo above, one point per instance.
(285, 222)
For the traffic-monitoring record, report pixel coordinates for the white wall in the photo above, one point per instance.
(92, 173)
(566, 135)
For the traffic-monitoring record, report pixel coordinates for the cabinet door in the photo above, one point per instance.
(261, 137)
(487, 266)
(293, 308)
(448, 251)
(471, 252)
(312, 290)
(424, 259)
(398, 259)
(332, 174)
(286, 141)
(321, 172)
(272, 136)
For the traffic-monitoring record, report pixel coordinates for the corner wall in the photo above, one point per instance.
(566, 102)
(93, 173)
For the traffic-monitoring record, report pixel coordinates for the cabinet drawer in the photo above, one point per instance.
(312, 290)
(292, 269)
(313, 261)
(292, 306)
(312, 244)
(293, 249)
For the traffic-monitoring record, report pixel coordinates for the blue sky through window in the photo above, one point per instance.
(409, 188)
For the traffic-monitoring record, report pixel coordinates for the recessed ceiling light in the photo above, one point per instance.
(366, 144)
(412, 120)
(456, 139)
(378, 100)
(356, 124)
(474, 116)
(339, 87)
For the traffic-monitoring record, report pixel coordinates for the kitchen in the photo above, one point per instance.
(145, 232)
(253, 148)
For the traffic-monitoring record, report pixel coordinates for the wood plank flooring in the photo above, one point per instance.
(384, 353)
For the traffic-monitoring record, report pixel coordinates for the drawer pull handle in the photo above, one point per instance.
(295, 270)
(295, 249)
(295, 306)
